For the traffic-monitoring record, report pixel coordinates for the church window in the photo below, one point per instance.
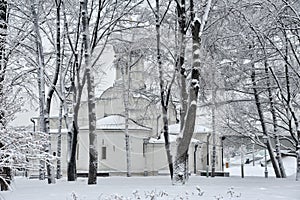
(103, 153)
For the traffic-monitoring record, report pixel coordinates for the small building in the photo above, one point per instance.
(111, 146)
(147, 154)
(200, 150)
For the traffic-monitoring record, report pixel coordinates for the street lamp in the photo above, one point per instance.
(222, 146)
(32, 120)
(265, 140)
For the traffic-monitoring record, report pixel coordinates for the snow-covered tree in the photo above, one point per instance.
(93, 153)
(187, 129)
(22, 149)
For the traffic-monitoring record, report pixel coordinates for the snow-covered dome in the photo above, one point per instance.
(117, 122)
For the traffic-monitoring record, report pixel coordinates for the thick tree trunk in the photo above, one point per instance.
(72, 173)
(93, 153)
(181, 17)
(184, 139)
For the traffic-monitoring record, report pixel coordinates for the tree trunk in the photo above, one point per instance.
(4, 185)
(126, 72)
(184, 139)
(298, 159)
(290, 106)
(262, 122)
(41, 80)
(93, 154)
(275, 125)
(167, 140)
(58, 163)
(181, 17)
(77, 93)
(164, 95)
(213, 115)
(58, 65)
(3, 59)
(73, 136)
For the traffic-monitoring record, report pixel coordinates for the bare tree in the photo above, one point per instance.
(3, 60)
(93, 153)
(165, 90)
(43, 118)
(184, 139)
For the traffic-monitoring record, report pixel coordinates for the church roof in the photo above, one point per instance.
(117, 122)
(172, 139)
(175, 129)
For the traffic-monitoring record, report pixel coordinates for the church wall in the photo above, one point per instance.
(64, 162)
(112, 152)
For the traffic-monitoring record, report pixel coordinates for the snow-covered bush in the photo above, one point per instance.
(19, 149)
(198, 193)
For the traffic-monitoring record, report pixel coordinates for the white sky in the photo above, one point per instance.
(103, 82)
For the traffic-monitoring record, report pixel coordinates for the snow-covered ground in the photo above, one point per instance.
(257, 170)
(160, 187)
(253, 187)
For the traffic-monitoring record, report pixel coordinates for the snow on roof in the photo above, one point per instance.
(117, 122)
(172, 139)
(55, 131)
(175, 129)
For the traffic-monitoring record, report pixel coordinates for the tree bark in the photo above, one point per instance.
(275, 124)
(184, 139)
(298, 159)
(58, 162)
(164, 95)
(77, 89)
(3, 59)
(213, 115)
(290, 105)
(126, 72)
(93, 153)
(181, 16)
(41, 82)
(262, 122)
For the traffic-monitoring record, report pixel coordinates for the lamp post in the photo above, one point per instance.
(195, 158)
(265, 140)
(207, 155)
(253, 155)
(242, 161)
(32, 120)
(222, 146)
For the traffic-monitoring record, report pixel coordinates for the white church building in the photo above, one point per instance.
(147, 151)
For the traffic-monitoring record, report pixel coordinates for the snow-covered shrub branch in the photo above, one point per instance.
(19, 148)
